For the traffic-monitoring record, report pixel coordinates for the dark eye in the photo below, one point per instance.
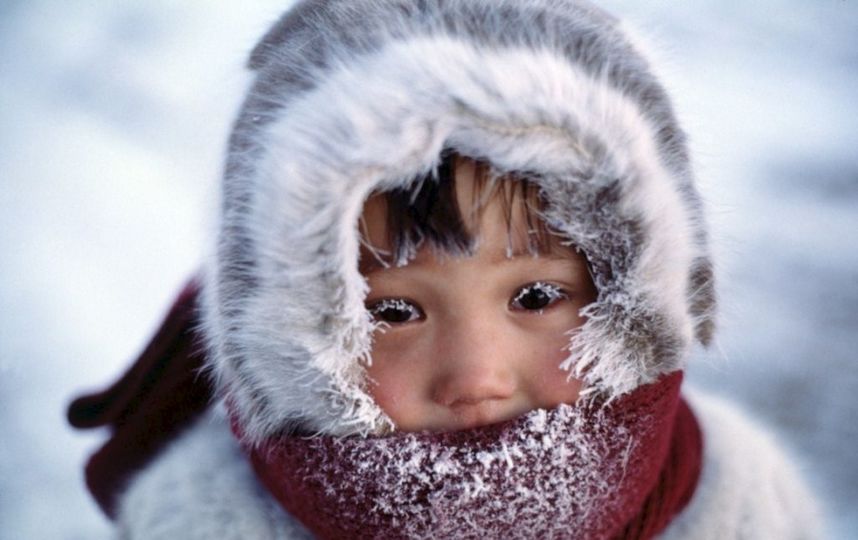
(395, 311)
(537, 296)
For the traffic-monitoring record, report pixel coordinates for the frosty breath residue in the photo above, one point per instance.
(548, 474)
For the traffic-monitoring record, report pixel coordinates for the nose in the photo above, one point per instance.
(476, 367)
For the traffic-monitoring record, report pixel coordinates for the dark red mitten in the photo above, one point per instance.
(159, 395)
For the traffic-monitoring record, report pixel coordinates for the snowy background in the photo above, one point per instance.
(113, 117)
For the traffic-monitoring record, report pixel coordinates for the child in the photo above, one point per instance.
(460, 266)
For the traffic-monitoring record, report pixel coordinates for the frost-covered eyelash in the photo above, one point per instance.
(390, 303)
(553, 292)
(385, 309)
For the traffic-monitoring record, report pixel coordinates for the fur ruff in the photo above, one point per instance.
(353, 97)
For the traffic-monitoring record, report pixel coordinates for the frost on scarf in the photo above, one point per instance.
(579, 471)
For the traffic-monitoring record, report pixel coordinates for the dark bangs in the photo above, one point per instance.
(429, 211)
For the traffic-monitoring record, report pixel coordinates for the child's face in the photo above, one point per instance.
(473, 340)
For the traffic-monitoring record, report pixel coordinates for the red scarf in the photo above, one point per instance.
(621, 470)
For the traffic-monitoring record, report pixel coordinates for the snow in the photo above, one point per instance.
(113, 118)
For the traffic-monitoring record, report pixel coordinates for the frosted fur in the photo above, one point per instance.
(202, 488)
(288, 333)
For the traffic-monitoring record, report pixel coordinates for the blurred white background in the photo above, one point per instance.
(113, 119)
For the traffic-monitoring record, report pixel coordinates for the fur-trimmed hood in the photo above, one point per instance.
(354, 96)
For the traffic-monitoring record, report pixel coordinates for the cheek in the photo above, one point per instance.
(547, 347)
(396, 382)
(552, 384)
(388, 389)
(557, 387)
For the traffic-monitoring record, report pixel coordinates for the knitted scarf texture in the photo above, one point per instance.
(587, 471)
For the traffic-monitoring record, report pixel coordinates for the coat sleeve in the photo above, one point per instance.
(202, 487)
(748, 488)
